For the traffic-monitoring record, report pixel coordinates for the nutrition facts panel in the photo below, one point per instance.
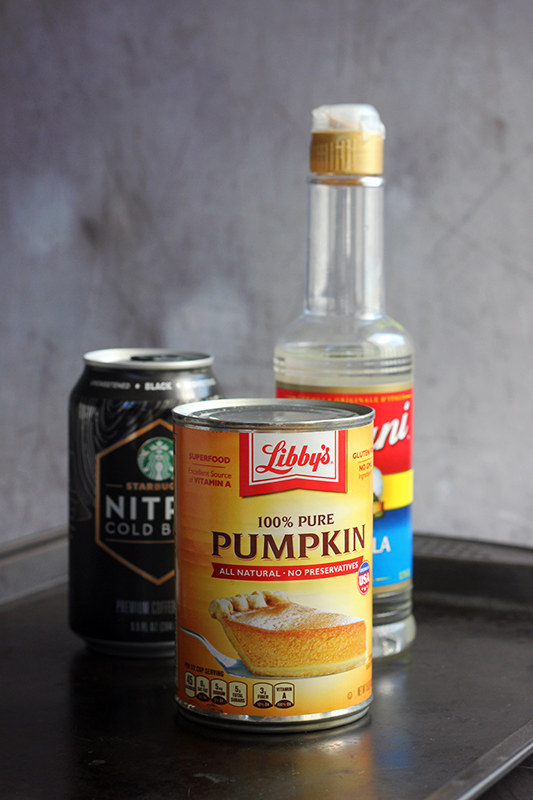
(233, 693)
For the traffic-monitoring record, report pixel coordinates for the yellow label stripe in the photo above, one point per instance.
(398, 489)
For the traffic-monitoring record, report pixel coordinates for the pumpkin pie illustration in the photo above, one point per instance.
(274, 636)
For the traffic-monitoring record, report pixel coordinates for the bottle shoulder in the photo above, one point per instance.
(345, 333)
(334, 348)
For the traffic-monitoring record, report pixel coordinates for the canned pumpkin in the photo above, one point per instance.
(273, 546)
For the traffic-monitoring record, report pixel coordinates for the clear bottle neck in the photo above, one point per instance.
(345, 247)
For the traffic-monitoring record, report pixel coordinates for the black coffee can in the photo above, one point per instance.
(121, 490)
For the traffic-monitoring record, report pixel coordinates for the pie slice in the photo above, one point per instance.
(276, 637)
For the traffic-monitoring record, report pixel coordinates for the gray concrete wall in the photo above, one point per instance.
(153, 157)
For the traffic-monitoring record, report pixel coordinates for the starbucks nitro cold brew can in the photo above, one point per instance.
(121, 486)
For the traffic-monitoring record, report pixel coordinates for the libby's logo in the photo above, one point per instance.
(281, 462)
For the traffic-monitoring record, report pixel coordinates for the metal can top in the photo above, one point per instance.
(146, 358)
(265, 413)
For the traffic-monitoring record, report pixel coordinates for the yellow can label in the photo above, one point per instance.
(274, 560)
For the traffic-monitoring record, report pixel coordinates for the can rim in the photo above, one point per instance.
(204, 414)
(142, 358)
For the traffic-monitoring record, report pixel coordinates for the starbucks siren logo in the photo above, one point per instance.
(155, 459)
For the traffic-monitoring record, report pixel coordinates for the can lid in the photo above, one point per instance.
(265, 413)
(146, 358)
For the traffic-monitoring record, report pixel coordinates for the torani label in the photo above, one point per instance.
(393, 477)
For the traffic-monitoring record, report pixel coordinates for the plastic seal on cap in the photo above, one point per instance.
(348, 117)
(347, 139)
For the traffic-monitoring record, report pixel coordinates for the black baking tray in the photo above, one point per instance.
(75, 724)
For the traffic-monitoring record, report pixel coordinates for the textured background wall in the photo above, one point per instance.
(153, 157)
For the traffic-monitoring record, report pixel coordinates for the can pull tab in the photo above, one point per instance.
(154, 359)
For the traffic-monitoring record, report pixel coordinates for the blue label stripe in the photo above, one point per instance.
(393, 547)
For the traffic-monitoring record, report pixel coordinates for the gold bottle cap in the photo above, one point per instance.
(347, 140)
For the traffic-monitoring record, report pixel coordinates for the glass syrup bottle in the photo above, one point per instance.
(345, 347)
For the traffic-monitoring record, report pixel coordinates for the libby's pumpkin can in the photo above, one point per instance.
(274, 558)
